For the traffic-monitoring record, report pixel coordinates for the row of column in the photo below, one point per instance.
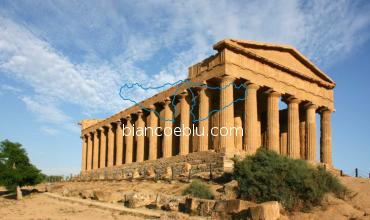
(96, 141)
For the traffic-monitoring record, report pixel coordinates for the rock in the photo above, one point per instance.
(172, 205)
(229, 190)
(68, 192)
(136, 200)
(265, 211)
(233, 206)
(202, 207)
(185, 169)
(150, 173)
(135, 174)
(167, 174)
(108, 196)
(87, 194)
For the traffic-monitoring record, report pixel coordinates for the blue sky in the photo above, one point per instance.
(62, 61)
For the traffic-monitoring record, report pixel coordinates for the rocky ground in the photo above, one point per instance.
(161, 199)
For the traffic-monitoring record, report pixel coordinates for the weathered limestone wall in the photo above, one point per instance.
(179, 165)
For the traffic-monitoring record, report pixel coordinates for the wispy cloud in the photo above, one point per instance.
(83, 52)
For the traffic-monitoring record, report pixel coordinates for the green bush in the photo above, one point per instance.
(267, 176)
(199, 190)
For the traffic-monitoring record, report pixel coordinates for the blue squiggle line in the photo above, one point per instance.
(188, 87)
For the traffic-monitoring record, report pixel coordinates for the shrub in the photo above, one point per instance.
(267, 176)
(199, 190)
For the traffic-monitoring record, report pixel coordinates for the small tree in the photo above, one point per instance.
(15, 168)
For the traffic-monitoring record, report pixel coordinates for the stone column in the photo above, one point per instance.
(302, 134)
(184, 123)
(167, 139)
(129, 140)
(96, 151)
(293, 128)
(311, 132)
(140, 139)
(119, 143)
(84, 151)
(227, 115)
(203, 124)
(89, 151)
(325, 139)
(110, 145)
(153, 138)
(251, 138)
(103, 147)
(273, 130)
(283, 143)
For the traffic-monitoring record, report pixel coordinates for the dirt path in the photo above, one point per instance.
(41, 206)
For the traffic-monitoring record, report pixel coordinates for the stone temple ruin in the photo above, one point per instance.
(266, 78)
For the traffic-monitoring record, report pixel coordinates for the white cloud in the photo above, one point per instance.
(50, 131)
(13, 89)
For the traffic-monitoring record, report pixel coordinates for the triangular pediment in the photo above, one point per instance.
(281, 55)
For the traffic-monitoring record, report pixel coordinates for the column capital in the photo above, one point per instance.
(128, 117)
(227, 78)
(110, 125)
(251, 85)
(323, 109)
(292, 99)
(183, 94)
(166, 102)
(310, 105)
(151, 107)
(119, 122)
(139, 113)
(273, 93)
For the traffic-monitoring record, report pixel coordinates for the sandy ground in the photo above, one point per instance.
(40, 206)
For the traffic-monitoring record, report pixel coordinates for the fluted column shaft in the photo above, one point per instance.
(184, 123)
(293, 128)
(203, 119)
(110, 145)
(325, 140)
(311, 132)
(273, 127)
(103, 147)
(140, 138)
(119, 143)
(227, 115)
(129, 140)
(302, 135)
(251, 123)
(153, 138)
(96, 151)
(89, 151)
(167, 139)
(84, 151)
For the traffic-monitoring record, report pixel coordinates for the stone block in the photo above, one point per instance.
(136, 200)
(228, 190)
(232, 206)
(202, 207)
(265, 211)
(108, 196)
(87, 194)
(150, 173)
